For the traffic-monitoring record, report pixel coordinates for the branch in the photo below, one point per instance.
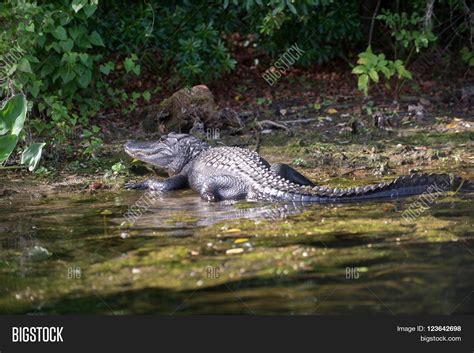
(373, 22)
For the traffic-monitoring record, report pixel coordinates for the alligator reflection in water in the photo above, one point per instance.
(166, 207)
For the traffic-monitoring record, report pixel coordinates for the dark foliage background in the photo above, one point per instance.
(78, 57)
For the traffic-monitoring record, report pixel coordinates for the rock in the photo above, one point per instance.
(425, 102)
(38, 253)
(187, 105)
(190, 111)
(229, 118)
(381, 120)
(7, 192)
(417, 110)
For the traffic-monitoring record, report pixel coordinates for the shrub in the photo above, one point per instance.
(371, 66)
(56, 64)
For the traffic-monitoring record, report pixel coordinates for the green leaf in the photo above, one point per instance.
(368, 58)
(128, 64)
(89, 10)
(60, 33)
(96, 39)
(35, 87)
(12, 115)
(374, 75)
(66, 74)
(397, 63)
(363, 83)
(7, 144)
(147, 96)
(291, 7)
(359, 69)
(24, 66)
(107, 67)
(85, 78)
(31, 156)
(402, 72)
(386, 71)
(77, 5)
(66, 45)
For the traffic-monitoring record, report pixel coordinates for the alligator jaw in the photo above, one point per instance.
(151, 152)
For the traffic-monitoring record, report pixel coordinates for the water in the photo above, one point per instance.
(73, 253)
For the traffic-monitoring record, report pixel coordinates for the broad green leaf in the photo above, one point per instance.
(402, 72)
(60, 33)
(77, 5)
(12, 115)
(89, 10)
(66, 74)
(291, 7)
(66, 45)
(7, 144)
(374, 75)
(96, 39)
(359, 70)
(85, 78)
(35, 87)
(75, 32)
(46, 69)
(386, 71)
(24, 65)
(107, 67)
(31, 156)
(369, 58)
(397, 63)
(129, 64)
(84, 57)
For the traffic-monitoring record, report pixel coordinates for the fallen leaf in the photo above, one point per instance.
(234, 251)
(332, 111)
(451, 126)
(241, 240)
(232, 230)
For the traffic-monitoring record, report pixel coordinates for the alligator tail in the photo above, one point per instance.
(403, 186)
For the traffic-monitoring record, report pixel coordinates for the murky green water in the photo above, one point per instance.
(69, 254)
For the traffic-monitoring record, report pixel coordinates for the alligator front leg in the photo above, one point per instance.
(173, 183)
(223, 187)
(288, 173)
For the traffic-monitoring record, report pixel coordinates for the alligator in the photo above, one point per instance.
(234, 173)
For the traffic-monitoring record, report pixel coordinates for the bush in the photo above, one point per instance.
(58, 57)
(189, 38)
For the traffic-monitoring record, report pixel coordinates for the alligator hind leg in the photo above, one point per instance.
(288, 173)
(174, 183)
(223, 187)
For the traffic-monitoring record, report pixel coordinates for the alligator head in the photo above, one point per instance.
(171, 152)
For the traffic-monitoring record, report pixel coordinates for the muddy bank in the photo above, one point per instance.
(331, 144)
